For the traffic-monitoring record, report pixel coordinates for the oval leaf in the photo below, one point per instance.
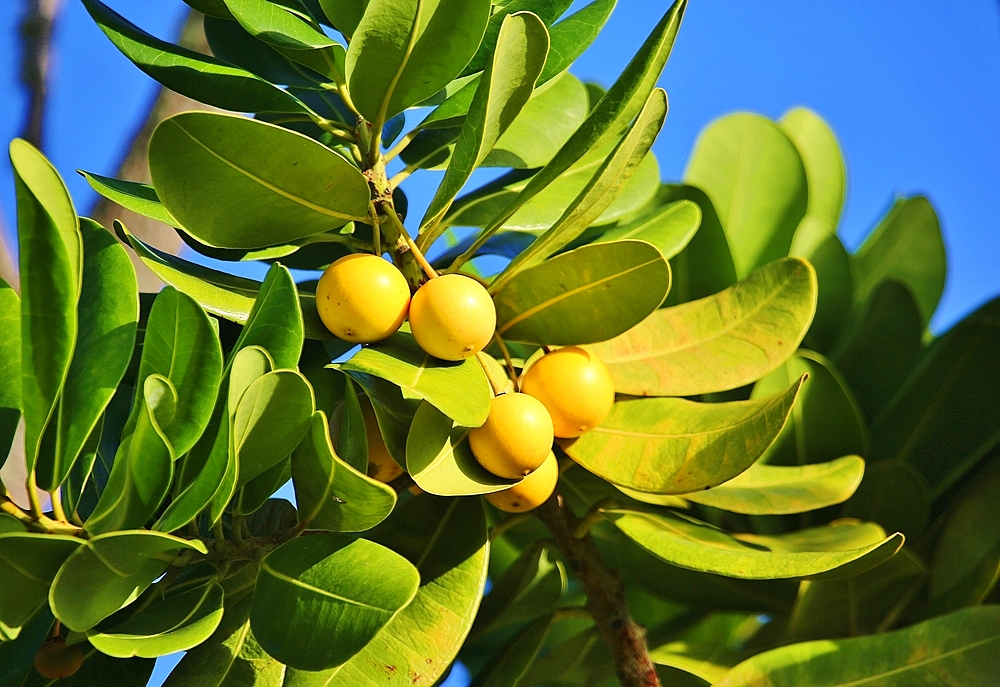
(10, 367)
(826, 172)
(669, 226)
(28, 564)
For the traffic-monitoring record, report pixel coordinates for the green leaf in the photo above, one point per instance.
(619, 106)
(275, 321)
(709, 647)
(530, 587)
(755, 177)
(352, 442)
(28, 564)
(826, 172)
(345, 15)
(503, 91)
(459, 390)
(234, 182)
(176, 623)
(320, 599)
(272, 417)
(51, 258)
(674, 446)
(191, 73)
(10, 367)
(98, 669)
(277, 24)
(255, 493)
(669, 226)
(131, 195)
(231, 657)
(393, 410)
(965, 566)
(511, 662)
(906, 247)
(824, 251)
(838, 550)
(17, 655)
(404, 51)
(546, 10)
(332, 495)
(863, 604)
(884, 347)
(419, 644)
(776, 490)
(601, 190)
(144, 465)
(945, 418)
(589, 294)
(574, 34)
(440, 461)
(826, 422)
(960, 649)
(894, 495)
(108, 313)
(110, 571)
(719, 342)
(182, 345)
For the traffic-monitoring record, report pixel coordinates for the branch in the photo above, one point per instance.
(36, 35)
(605, 596)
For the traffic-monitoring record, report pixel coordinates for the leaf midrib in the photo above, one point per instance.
(317, 590)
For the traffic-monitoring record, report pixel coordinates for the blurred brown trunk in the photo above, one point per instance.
(134, 166)
(8, 270)
(36, 36)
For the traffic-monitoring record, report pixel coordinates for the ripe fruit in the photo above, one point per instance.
(452, 317)
(576, 387)
(381, 466)
(362, 298)
(530, 492)
(516, 437)
(55, 660)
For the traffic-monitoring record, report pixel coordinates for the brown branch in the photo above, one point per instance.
(605, 596)
(36, 36)
(8, 269)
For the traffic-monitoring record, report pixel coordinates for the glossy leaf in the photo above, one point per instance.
(28, 564)
(574, 34)
(944, 419)
(906, 247)
(254, 494)
(754, 175)
(838, 550)
(278, 25)
(775, 490)
(234, 182)
(530, 587)
(504, 89)
(824, 163)
(10, 367)
(191, 73)
(344, 14)
(589, 294)
(440, 461)
(320, 599)
(674, 446)
(110, 571)
(144, 464)
(51, 267)
(419, 644)
(826, 423)
(546, 10)
(182, 345)
(669, 226)
(232, 43)
(393, 410)
(719, 342)
(511, 662)
(272, 417)
(824, 251)
(404, 51)
(960, 648)
(176, 623)
(459, 390)
(275, 321)
(330, 494)
(108, 313)
(131, 195)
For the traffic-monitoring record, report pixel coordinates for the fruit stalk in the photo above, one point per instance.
(605, 596)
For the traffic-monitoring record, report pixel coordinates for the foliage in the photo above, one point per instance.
(784, 419)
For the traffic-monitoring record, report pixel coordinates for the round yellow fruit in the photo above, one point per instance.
(576, 388)
(56, 661)
(381, 466)
(516, 437)
(362, 298)
(452, 317)
(530, 492)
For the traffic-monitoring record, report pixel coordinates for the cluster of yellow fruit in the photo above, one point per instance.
(363, 299)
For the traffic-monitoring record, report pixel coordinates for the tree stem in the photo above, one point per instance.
(605, 596)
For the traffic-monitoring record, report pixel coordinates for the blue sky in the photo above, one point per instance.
(911, 88)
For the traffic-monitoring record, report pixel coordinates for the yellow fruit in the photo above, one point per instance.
(530, 492)
(55, 660)
(362, 298)
(381, 466)
(452, 317)
(516, 437)
(576, 388)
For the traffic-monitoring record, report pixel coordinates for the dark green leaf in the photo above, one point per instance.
(98, 669)
(16, 655)
(279, 25)
(508, 666)
(574, 34)
(10, 367)
(894, 495)
(345, 15)
(275, 321)
(230, 42)
(131, 195)
(530, 587)
(546, 10)
(823, 249)
(28, 564)
(393, 410)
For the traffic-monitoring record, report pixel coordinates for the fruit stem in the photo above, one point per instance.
(496, 386)
(57, 507)
(376, 229)
(605, 596)
(390, 212)
(507, 359)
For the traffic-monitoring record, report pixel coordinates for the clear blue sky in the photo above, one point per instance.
(912, 89)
